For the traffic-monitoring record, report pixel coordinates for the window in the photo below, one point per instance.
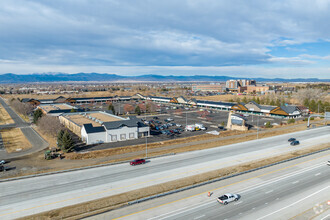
(123, 137)
(113, 137)
(131, 135)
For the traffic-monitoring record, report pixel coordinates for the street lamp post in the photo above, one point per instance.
(257, 127)
(146, 146)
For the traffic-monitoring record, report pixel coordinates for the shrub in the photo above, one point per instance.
(268, 125)
(291, 121)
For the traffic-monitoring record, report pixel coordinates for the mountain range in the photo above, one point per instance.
(103, 77)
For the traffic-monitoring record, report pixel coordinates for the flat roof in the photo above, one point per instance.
(50, 107)
(83, 118)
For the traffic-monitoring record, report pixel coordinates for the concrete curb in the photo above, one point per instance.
(222, 178)
(75, 169)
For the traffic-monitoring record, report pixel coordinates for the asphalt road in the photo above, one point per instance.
(37, 142)
(27, 196)
(277, 193)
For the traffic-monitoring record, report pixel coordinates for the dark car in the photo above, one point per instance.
(156, 117)
(137, 162)
(293, 143)
(291, 139)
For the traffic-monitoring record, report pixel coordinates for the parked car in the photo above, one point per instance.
(291, 139)
(293, 143)
(222, 128)
(178, 125)
(227, 198)
(137, 162)
(328, 163)
(170, 119)
(156, 117)
(2, 162)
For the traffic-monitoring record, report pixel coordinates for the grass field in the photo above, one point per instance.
(14, 140)
(5, 117)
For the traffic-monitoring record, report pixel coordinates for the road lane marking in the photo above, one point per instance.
(200, 217)
(271, 172)
(269, 191)
(295, 182)
(294, 203)
(317, 174)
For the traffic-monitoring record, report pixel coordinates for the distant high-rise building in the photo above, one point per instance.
(235, 84)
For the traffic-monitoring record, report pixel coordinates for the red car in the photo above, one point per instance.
(137, 162)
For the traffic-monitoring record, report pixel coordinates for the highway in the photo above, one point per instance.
(33, 195)
(281, 192)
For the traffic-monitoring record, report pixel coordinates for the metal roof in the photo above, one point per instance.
(90, 129)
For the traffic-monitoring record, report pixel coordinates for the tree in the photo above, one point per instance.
(111, 108)
(268, 125)
(67, 142)
(36, 115)
(272, 102)
(50, 125)
(128, 108)
(244, 100)
(278, 103)
(59, 139)
(73, 110)
(138, 110)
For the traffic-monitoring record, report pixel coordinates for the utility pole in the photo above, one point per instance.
(147, 146)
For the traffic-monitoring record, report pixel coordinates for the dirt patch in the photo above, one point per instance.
(49, 138)
(109, 203)
(5, 117)
(14, 140)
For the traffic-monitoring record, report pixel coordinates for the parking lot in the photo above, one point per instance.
(163, 129)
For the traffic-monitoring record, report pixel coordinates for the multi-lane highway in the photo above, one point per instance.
(33, 195)
(281, 192)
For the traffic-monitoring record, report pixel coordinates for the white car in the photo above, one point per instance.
(328, 163)
(178, 125)
(227, 198)
(170, 119)
(2, 162)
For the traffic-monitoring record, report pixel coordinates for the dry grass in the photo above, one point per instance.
(14, 140)
(109, 203)
(210, 142)
(49, 138)
(5, 117)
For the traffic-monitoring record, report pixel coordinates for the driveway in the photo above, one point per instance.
(37, 142)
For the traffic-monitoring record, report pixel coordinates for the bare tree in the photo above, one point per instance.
(309, 94)
(128, 108)
(50, 125)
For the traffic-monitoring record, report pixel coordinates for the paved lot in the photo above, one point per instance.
(211, 119)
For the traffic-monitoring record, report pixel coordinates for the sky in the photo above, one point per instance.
(238, 38)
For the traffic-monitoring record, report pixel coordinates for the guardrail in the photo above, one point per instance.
(76, 169)
(221, 178)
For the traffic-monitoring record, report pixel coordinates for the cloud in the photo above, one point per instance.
(93, 34)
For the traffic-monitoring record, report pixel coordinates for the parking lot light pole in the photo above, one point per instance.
(146, 146)
(257, 127)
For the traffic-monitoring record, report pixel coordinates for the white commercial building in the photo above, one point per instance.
(113, 131)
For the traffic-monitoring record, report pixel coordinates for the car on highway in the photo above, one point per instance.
(227, 198)
(291, 139)
(293, 143)
(137, 162)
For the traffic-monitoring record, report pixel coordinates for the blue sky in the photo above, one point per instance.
(238, 38)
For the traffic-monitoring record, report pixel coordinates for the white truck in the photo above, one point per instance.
(227, 198)
(190, 128)
(200, 127)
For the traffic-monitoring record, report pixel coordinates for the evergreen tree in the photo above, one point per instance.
(111, 108)
(258, 100)
(138, 110)
(59, 139)
(244, 100)
(67, 142)
(36, 115)
(278, 103)
(313, 106)
(272, 102)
